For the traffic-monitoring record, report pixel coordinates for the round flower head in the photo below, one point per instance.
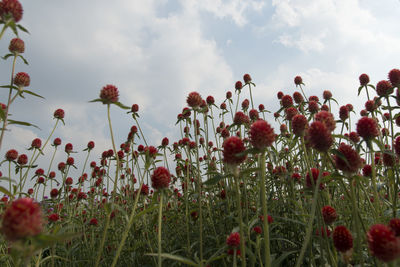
(383, 243)
(233, 146)
(261, 134)
(22, 79)
(253, 113)
(59, 114)
(327, 94)
(290, 113)
(287, 101)
(22, 159)
(343, 113)
(90, 145)
(327, 119)
(241, 118)
(342, 239)
(329, 214)
(233, 239)
(298, 98)
(313, 106)
(367, 128)
(160, 178)
(210, 100)
(11, 7)
(36, 143)
(298, 80)
(364, 79)
(394, 224)
(246, 78)
(384, 88)
(194, 99)
(394, 77)
(57, 141)
(299, 124)
(319, 136)
(17, 46)
(22, 219)
(353, 161)
(11, 155)
(109, 94)
(135, 108)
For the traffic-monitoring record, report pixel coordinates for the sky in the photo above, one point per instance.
(157, 51)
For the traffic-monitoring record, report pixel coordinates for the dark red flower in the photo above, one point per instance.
(11, 155)
(299, 124)
(22, 159)
(342, 238)
(313, 107)
(327, 95)
(290, 113)
(246, 78)
(261, 134)
(287, 101)
(367, 128)
(22, 79)
(135, 108)
(329, 214)
(194, 99)
(90, 145)
(319, 136)
(57, 141)
(343, 113)
(394, 77)
(241, 118)
(384, 88)
(349, 161)
(298, 80)
(233, 240)
(383, 243)
(231, 147)
(36, 143)
(12, 7)
(160, 178)
(17, 46)
(109, 94)
(23, 218)
(59, 114)
(53, 217)
(364, 79)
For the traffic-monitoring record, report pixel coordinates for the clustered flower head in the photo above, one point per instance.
(231, 147)
(329, 214)
(349, 161)
(59, 114)
(383, 243)
(194, 100)
(233, 240)
(261, 134)
(160, 178)
(22, 219)
(342, 238)
(17, 46)
(320, 136)
(109, 94)
(11, 7)
(367, 128)
(22, 79)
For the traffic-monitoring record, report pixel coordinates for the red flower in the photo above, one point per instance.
(160, 178)
(22, 159)
(310, 183)
(367, 170)
(53, 217)
(135, 108)
(36, 143)
(12, 7)
(383, 243)
(261, 134)
(57, 141)
(233, 239)
(290, 113)
(241, 118)
(261, 107)
(299, 124)
(54, 193)
(246, 78)
(59, 114)
(253, 113)
(90, 145)
(11, 155)
(353, 160)
(22, 79)
(287, 101)
(17, 46)
(343, 113)
(384, 88)
(194, 99)
(319, 136)
(329, 214)
(327, 95)
(367, 128)
(326, 118)
(342, 238)
(93, 222)
(354, 137)
(210, 100)
(364, 79)
(313, 106)
(397, 145)
(298, 80)
(109, 94)
(233, 146)
(23, 218)
(68, 148)
(394, 77)
(279, 95)
(394, 224)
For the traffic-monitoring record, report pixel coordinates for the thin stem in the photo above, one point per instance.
(159, 230)
(267, 253)
(115, 152)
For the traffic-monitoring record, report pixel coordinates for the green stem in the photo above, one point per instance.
(267, 253)
(239, 209)
(115, 152)
(159, 230)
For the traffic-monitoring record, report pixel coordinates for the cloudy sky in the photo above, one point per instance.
(157, 51)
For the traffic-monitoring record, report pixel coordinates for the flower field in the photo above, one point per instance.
(322, 190)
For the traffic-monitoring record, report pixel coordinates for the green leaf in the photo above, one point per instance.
(54, 257)
(23, 59)
(214, 180)
(2, 114)
(9, 86)
(5, 191)
(359, 90)
(22, 28)
(278, 261)
(31, 93)
(96, 100)
(175, 258)
(7, 56)
(22, 123)
(119, 104)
